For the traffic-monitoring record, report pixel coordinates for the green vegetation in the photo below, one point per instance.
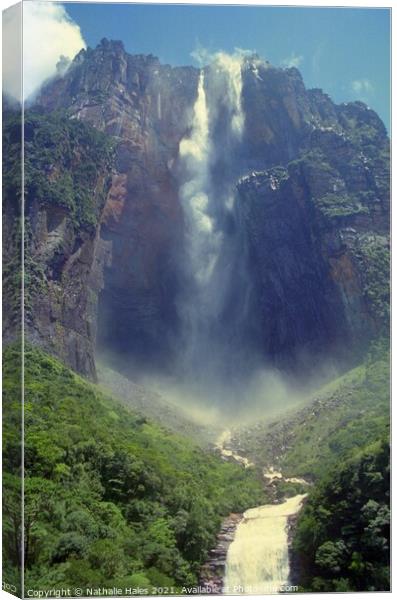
(12, 157)
(67, 166)
(341, 205)
(64, 158)
(373, 257)
(316, 167)
(12, 274)
(313, 161)
(111, 498)
(154, 406)
(343, 534)
(362, 127)
(339, 419)
(12, 229)
(12, 475)
(342, 538)
(339, 441)
(354, 412)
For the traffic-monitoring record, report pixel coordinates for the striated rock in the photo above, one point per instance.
(311, 217)
(145, 107)
(213, 571)
(67, 167)
(310, 228)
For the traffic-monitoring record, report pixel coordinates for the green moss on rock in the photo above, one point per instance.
(64, 159)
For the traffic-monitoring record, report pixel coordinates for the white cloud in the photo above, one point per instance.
(362, 86)
(201, 55)
(48, 34)
(12, 44)
(204, 57)
(294, 60)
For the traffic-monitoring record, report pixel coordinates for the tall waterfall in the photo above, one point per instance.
(195, 152)
(257, 559)
(198, 153)
(207, 194)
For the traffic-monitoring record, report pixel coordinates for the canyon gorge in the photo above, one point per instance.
(206, 271)
(239, 221)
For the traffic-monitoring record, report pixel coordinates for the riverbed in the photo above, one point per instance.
(257, 560)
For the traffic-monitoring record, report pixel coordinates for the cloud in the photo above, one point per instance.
(12, 51)
(362, 86)
(201, 55)
(294, 60)
(49, 34)
(204, 57)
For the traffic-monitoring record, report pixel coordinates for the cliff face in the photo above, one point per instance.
(67, 168)
(11, 225)
(311, 212)
(317, 229)
(145, 107)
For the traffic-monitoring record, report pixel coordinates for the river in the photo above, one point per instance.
(257, 560)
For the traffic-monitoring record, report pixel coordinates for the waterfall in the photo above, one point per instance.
(198, 152)
(195, 154)
(257, 559)
(207, 194)
(228, 66)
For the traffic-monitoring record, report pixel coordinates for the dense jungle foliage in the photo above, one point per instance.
(343, 533)
(111, 498)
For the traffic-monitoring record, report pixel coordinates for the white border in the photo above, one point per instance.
(314, 4)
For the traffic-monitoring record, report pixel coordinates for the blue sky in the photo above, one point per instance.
(344, 51)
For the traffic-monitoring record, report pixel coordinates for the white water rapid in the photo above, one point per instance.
(257, 559)
(221, 444)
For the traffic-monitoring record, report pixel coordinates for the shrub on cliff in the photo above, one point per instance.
(63, 159)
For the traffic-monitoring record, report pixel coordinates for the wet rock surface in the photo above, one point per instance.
(213, 571)
(294, 576)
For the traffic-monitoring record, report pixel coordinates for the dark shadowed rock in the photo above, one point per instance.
(311, 227)
(312, 217)
(213, 571)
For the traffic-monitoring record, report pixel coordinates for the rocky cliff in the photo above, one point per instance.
(144, 107)
(317, 221)
(317, 229)
(311, 211)
(67, 176)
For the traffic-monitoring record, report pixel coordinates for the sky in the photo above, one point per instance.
(344, 51)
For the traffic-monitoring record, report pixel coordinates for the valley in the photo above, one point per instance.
(206, 330)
